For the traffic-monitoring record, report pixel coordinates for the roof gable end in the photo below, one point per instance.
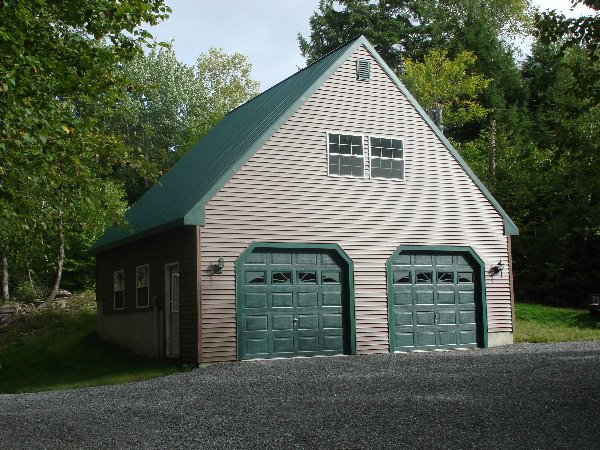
(180, 195)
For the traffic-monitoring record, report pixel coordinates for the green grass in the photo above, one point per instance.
(58, 349)
(538, 323)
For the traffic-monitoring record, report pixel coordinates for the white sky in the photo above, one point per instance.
(263, 30)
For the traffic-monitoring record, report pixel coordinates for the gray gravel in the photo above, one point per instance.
(522, 396)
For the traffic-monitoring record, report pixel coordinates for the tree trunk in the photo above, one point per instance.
(60, 263)
(492, 162)
(4, 294)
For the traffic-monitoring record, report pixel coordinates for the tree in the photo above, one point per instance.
(389, 26)
(561, 223)
(581, 31)
(445, 89)
(54, 160)
(400, 28)
(169, 106)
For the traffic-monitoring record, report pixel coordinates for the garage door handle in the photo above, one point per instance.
(436, 318)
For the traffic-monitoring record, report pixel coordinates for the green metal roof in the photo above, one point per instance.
(180, 195)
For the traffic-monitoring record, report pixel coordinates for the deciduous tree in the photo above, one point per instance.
(54, 159)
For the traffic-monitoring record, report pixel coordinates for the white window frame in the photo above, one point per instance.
(371, 177)
(115, 291)
(362, 140)
(137, 300)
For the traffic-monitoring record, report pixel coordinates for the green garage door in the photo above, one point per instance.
(435, 301)
(292, 303)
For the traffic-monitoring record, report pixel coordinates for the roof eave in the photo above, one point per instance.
(97, 249)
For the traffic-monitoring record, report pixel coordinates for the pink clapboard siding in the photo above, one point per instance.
(283, 194)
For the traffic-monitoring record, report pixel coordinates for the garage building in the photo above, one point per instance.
(328, 215)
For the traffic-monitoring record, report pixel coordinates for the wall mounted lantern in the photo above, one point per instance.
(218, 267)
(497, 269)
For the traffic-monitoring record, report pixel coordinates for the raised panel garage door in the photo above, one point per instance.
(435, 301)
(292, 303)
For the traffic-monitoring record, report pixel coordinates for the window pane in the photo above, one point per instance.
(141, 277)
(334, 165)
(255, 278)
(119, 281)
(357, 167)
(330, 277)
(398, 154)
(357, 140)
(334, 138)
(345, 139)
(307, 277)
(281, 278)
(445, 277)
(398, 174)
(334, 148)
(423, 277)
(345, 170)
(387, 153)
(465, 277)
(345, 149)
(401, 276)
(397, 143)
(398, 170)
(376, 151)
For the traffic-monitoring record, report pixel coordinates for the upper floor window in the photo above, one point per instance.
(345, 154)
(119, 289)
(387, 158)
(142, 291)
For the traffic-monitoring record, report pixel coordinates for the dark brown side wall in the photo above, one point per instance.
(178, 245)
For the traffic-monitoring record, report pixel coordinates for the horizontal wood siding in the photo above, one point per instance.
(283, 194)
(174, 246)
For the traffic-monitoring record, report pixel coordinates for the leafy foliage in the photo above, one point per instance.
(444, 88)
(169, 106)
(581, 31)
(55, 163)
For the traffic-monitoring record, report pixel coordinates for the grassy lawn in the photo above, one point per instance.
(537, 323)
(58, 349)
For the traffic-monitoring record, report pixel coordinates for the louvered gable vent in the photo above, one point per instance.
(363, 69)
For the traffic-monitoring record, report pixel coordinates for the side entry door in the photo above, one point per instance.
(172, 309)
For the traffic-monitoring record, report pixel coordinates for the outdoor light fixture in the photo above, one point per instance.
(218, 267)
(497, 269)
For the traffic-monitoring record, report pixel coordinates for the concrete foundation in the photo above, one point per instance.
(498, 339)
(139, 332)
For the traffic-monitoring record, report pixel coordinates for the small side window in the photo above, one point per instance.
(142, 291)
(119, 290)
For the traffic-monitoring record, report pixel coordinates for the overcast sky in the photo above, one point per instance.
(263, 30)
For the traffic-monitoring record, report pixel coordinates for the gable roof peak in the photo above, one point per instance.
(181, 194)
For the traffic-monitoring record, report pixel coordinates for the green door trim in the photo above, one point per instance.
(241, 261)
(482, 335)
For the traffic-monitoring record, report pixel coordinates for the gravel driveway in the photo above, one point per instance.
(525, 396)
